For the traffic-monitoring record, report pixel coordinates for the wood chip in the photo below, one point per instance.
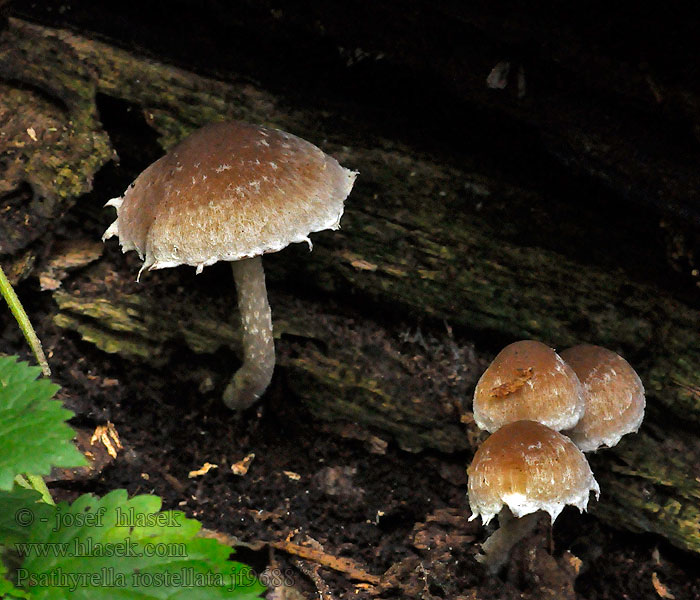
(292, 475)
(362, 265)
(343, 565)
(203, 470)
(358, 262)
(241, 467)
(108, 436)
(66, 256)
(660, 588)
(377, 445)
(572, 562)
(96, 453)
(510, 387)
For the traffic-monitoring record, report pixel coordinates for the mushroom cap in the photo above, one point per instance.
(614, 396)
(229, 191)
(528, 380)
(528, 467)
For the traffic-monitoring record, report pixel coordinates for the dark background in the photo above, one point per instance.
(607, 132)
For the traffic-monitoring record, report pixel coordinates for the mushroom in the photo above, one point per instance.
(614, 397)
(528, 380)
(233, 191)
(523, 468)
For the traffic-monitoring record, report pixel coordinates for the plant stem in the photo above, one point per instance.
(23, 321)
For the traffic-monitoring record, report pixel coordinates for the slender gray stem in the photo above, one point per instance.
(511, 530)
(252, 379)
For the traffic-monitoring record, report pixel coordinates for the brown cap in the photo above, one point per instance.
(528, 467)
(614, 396)
(230, 191)
(528, 380)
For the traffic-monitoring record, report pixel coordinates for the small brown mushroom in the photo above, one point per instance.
(528, 380)
(523, 468)
(614, 397)
(233, 191)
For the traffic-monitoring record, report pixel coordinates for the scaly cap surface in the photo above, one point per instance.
(528, 467)
(614, 396)
(528, 380)
(229, 191)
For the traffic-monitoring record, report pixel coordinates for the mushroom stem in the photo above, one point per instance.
(254, 375)
(496, 549)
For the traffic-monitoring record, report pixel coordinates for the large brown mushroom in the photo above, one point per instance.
(233, 191)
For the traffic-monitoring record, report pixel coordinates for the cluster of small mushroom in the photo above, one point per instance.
(526, 397)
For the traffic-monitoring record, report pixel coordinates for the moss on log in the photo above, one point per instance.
(52, 142)
(415, 240)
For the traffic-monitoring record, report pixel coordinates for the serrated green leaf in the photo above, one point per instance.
(116, 547)
(19, 508)
(34, 436)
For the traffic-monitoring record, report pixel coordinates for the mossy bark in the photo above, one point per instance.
(52, 142)
(415, 241)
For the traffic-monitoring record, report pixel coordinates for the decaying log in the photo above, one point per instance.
(52, 142)
(414, 240)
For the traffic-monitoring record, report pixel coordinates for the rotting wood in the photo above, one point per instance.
(413, 240)
(648, 482)
(52, 142)
(338, 563)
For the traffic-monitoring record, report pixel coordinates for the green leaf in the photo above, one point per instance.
(116, 547)
(19, 508)
(34, 435)
(7, 588)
